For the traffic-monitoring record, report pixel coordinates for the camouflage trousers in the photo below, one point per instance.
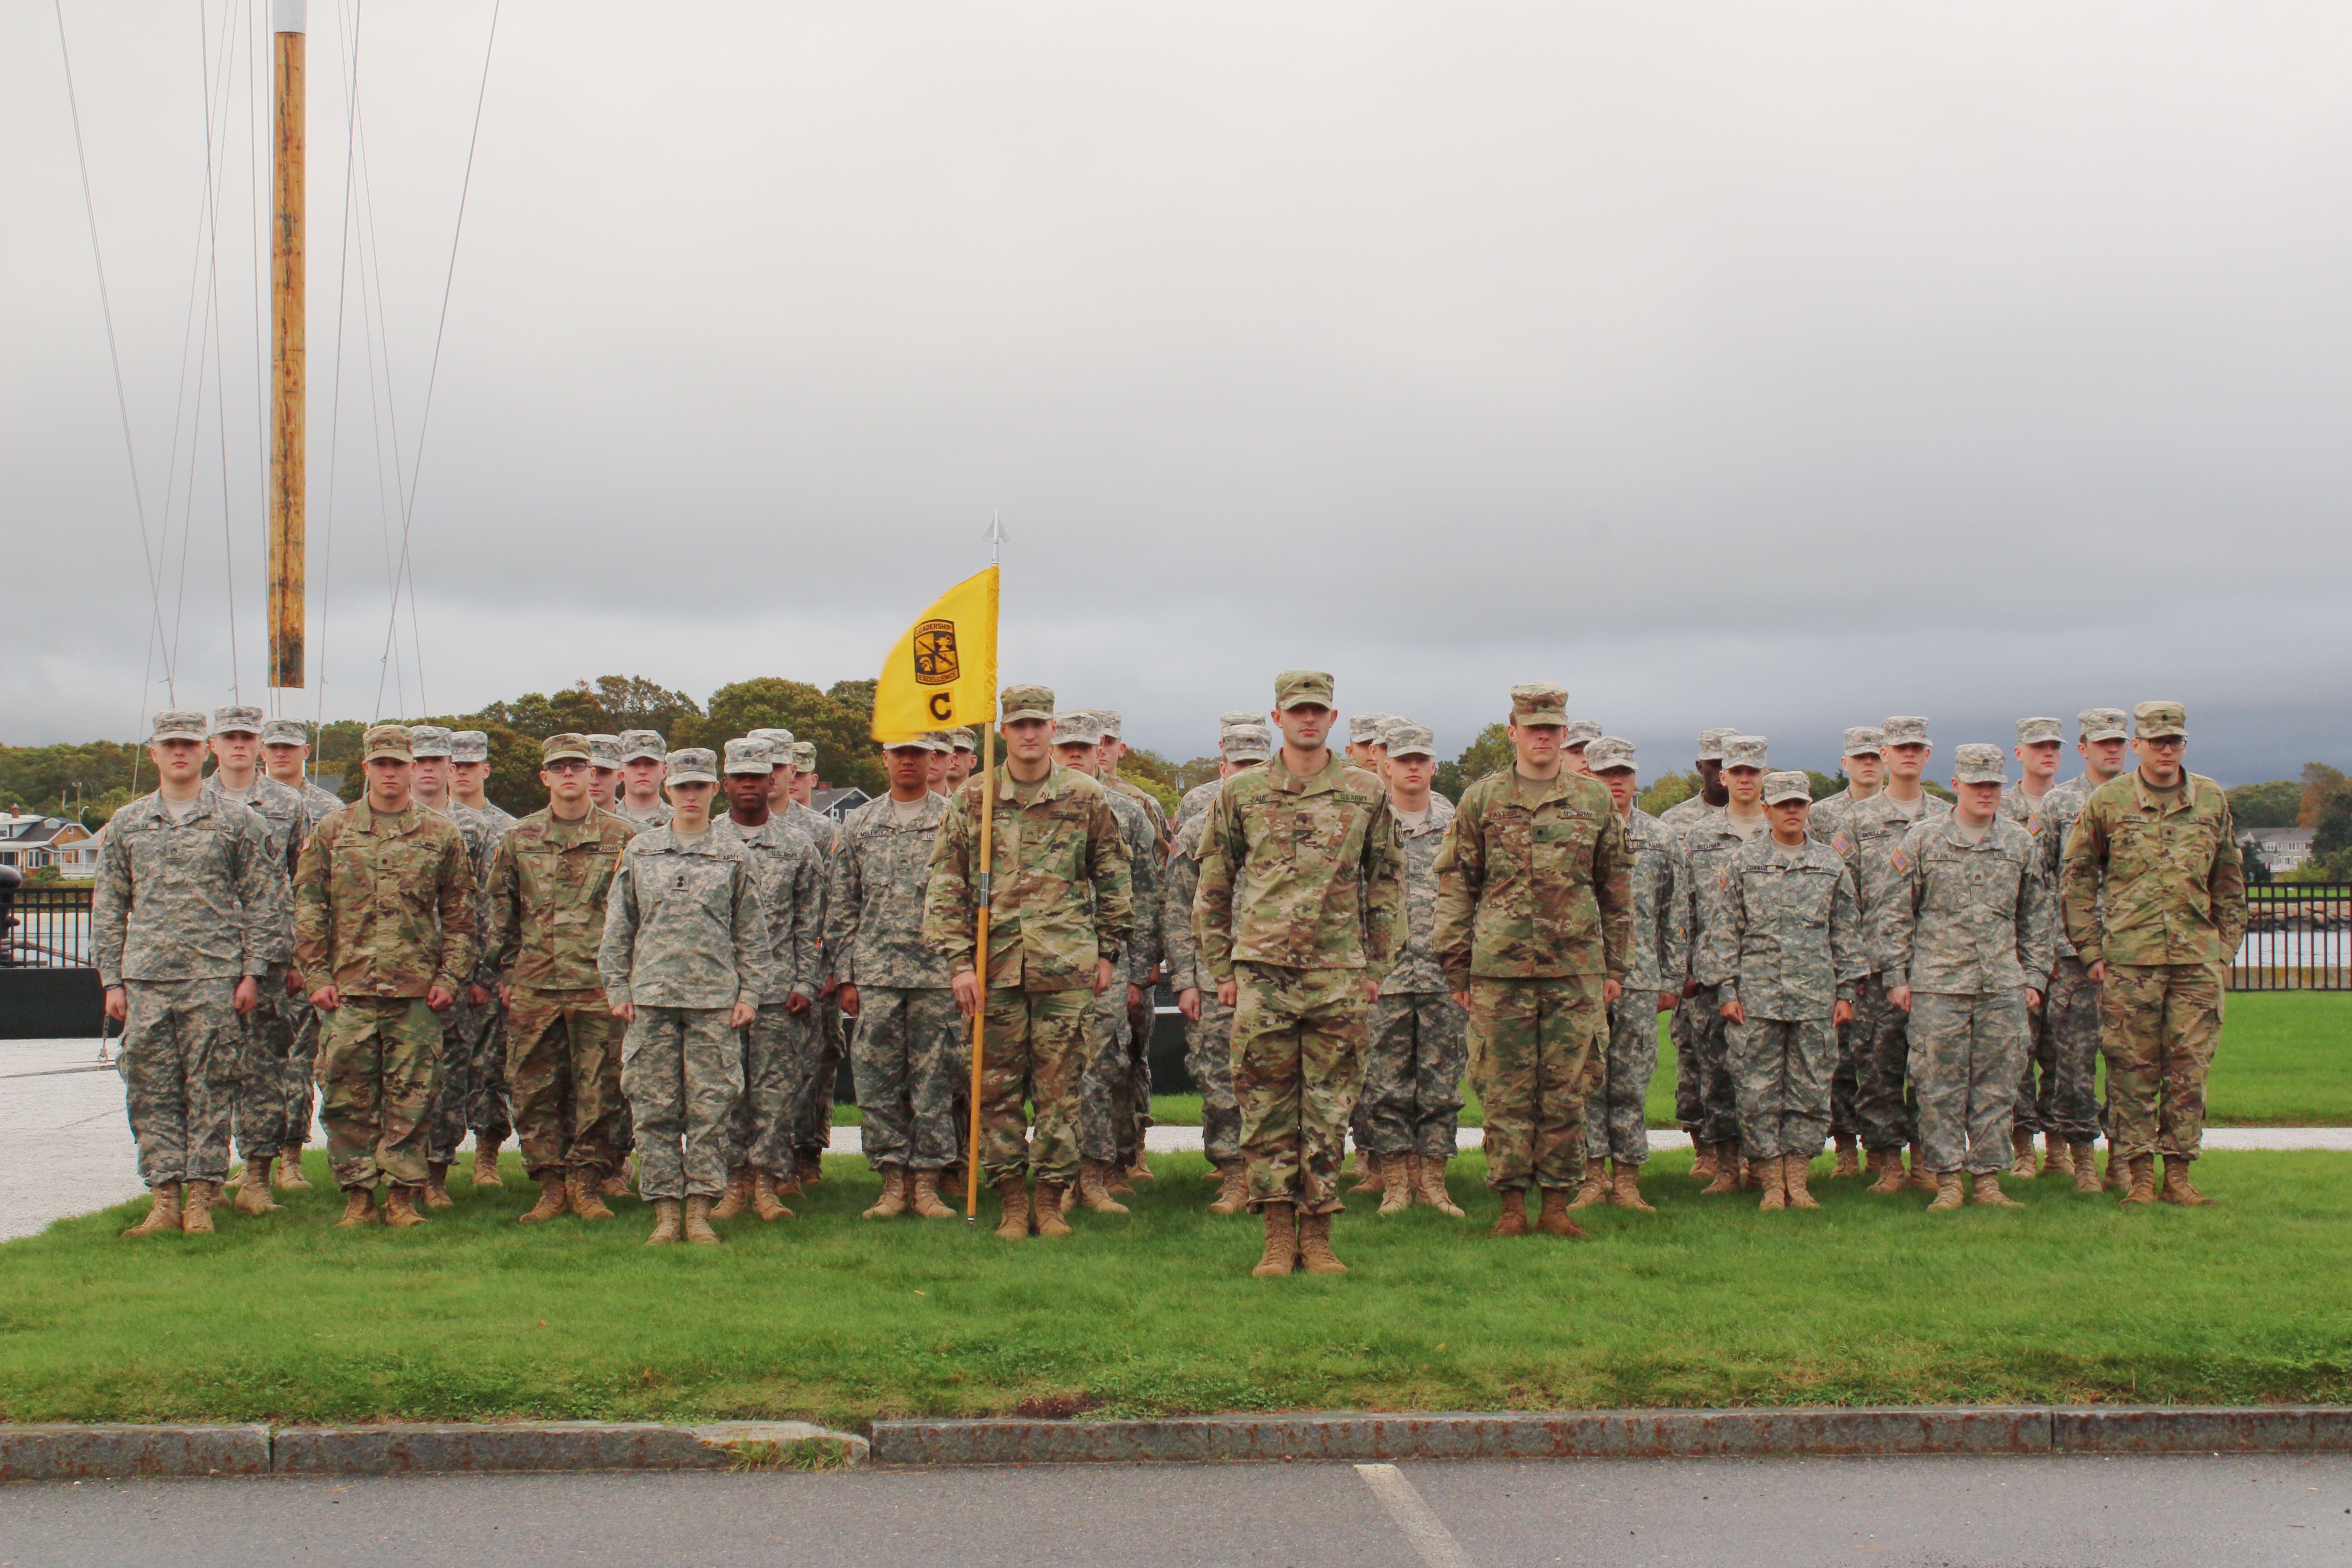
(301, 1069)
(381, 1064)
(563, 1071)
(1780, 1070)
(1843, 1123)
(1706, 1103)
(2158, 1025)
(1883, 1108)
(2070, 1016)
(179, 1073)
(682, 1070)
(1416, 1052)
(1616, 1119)
(908, 1059)
(445, 1124)
(487, 1113)
(813, 1111)
(1298, 1066)
(762, 1126)
(1532, 1045)
(1105, 1098)
(265, 1038)
(1964, 1055)
(1142, 1021)
(2037, 1084)
(1034, 1050)
(1208, 1062)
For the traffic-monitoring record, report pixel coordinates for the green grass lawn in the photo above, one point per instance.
(828, 1317)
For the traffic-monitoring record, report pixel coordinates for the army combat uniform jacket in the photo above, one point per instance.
(1790, 939)
(1300, 873)
(384, 907)
(1964, 918)
(1536, 882)
(876, 884)
(197, 898)
(1061, 895)
(2172, 876)
(549, 883)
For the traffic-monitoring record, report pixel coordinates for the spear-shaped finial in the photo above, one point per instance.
(996, 534)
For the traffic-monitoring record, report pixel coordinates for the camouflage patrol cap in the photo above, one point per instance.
(749, 755)
(1865, 740)
(566, 747)
(804, 756)
(1787, 785)
(180, 724)
(429, 740)
(1609, 753)
(1747, 751)
(1110, 721)
(1077, 728)
(2157, 720)
(1248, 743)
(395, 740)
(1369, 729)
(1580, 733)
(1239, 716)
(1538, 702)
(237, 720)
(1405, 739)
(1710, 744)
(1977, 762)
(1905, 730)
(1300, 688)
(636, 745)
(964, 740)
(1021, 702)
(779, 741)
(468, 746)
(604, 751)
(691, 764)
(939, 740)
(2100, 724)
(284, 732)
(2033, 732)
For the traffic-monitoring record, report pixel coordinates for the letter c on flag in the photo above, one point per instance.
(942, 706)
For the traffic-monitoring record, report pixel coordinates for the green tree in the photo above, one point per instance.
(2258, 871)
(1491, 752)
(1824, 785)
(2319, 781)
(2273, 804)
(845, 751)
(2331, 842)
(1667, 791)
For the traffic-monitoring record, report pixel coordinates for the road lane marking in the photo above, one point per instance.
(1430, 1538)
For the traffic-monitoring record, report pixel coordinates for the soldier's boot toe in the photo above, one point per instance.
(554, 1199)
(1094, 1190)
(359, 1209)
(1232, 1188)
(1595, 1186)
(2057, 1156)
(1315, 1253)
(668, 1221)
(1702, 1163)
(1947, 1193)
(1513, 1220)
(1114, 1180)
(253, 1196)
(1012, 1198)
(1396, 1189)
(585, 1195)
(2118, 1172)
(2020, 1153)
(2142, 1171)
(2086, 1167)
(737, 1198)
(1280, 1257)
(1776, 1192)
(2176, 1188)
(486, 1160)
(1552, 1218)
(893, 1201)
(1888, 1164)
(1796, 1179)
(696, 1222)
(436, 1185)
(615, 1185)
(289, 1177)
(196, 1200)
(925, 1203)
(163, 1214)
(400, 1206)
(1369, 1178)
(1988, 1193)
(1727, 1172)
(808, 1169)
(1429, 1175)
(764, 1201)
(1051, 1200)
(1140, 1169)
(1848, 1163)
(1625, 1189)
(1922, 1178)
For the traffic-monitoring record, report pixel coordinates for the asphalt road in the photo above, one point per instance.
(1720, 1513)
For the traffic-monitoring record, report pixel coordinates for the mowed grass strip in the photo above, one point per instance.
(1708, 1302)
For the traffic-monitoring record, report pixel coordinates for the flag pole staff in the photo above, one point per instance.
(986, 884)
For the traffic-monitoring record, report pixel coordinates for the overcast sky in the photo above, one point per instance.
(1783, 367)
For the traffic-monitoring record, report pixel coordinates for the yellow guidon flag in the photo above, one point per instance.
(942, 673)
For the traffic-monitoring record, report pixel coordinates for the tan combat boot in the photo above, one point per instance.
(1430, 1188)
(400, 1207)
(666, 1225)
(1948, 1191)
(586, 1196)
(554, 1199)
(2020, 1153)
(1093, 1189)
(1796, 1174)
(1988, 1194)
(926, 1201)
(1396, 1189)
(764, 1201)
(162, 1214)
(2119, 1176)
(1594, 1188)
(893, 1201)
(359, 1209)
(1727, 1171)
(1625, 1189)
(1051, 1196)
(1114, 1179)
(1281, 1255)
(2176, 1189)
(1924, 1179)
(1888, 1164)
(1232, 1188)
(1012, 1198)
(737, 1197)
(196, 1200)
(289, 1177)
(1752, 1174)
(1776, 1194)
(253, 1194)
(1315, 1253)
(1848, 1164)
(1140, 1168)
(437, 1188)
(1552, 1219)
(1369, 1179)
(695, 1225)
(2142, 1190)
(808, 1169)
(615, 1185)
(486, 1160)
(2086, 1167)
(1513, 1220)
(1702, 1161)
(2057, 1158)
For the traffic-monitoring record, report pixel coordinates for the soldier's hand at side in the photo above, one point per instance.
(118, 1003)
(1229, 993)
(1733, 1013)
(849, 1003)
(1134, 998)
(246, 996)
(440, 998)
(1610, 990)
(1188, 1001)
(1462, 999)
(1842, 1013)
(476, 997)
(1901, 997)
(293, 981)
(797, 1004)
(2033, 997)
(326, 998)
(1666, 1000)
(1690, 985)
(830, 987)
(1371, 990)
(742, 1014)
(506, 994)
(967, 992)
(625, 1011)
(1102, 975)
(2097, 973)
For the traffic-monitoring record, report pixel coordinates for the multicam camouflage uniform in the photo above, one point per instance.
(1616, 1125)
(789, 873)
(1208, 1039)
(2174, 883)
(485, 1110)
(1109, 1119)
(1418, 1035)
(266, 1035)
(462, 1025)
(907, 1051)
(302, 1057)
(185, 906)
(1884, 1113)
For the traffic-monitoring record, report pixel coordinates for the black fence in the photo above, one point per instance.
(47, 928)
(2298, 938)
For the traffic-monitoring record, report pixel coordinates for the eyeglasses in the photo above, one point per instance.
(567, 765)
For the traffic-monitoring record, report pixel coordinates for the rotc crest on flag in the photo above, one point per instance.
(935, 653)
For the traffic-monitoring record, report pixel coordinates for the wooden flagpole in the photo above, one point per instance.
(289, 22)
(987, 882)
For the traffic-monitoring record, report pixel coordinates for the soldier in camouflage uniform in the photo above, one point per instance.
(1616, 1123)
(1061, 913)
(2072, 1008)
(643, 756)
(1695, 1014)
(1208, 1023)
(1965, 933)
(685, 961)
(812, 1128)
(286, 747)
(1132, 1116)
(790, 876)
(605, 772)
(265, 1033)
(485, 823)
(1581, 734)
(1535, 930)
(965, 757)
(1368, 741)
(434, 750)
(1197, 800)
(906, 1048)
(1299, 912)
(1710, 796)
(2160, 848)
(188, 917)
(1863, 769)
(2037, 744)
(1790, 948)
(1707, 1094)
(384, 921)
(551, 876)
